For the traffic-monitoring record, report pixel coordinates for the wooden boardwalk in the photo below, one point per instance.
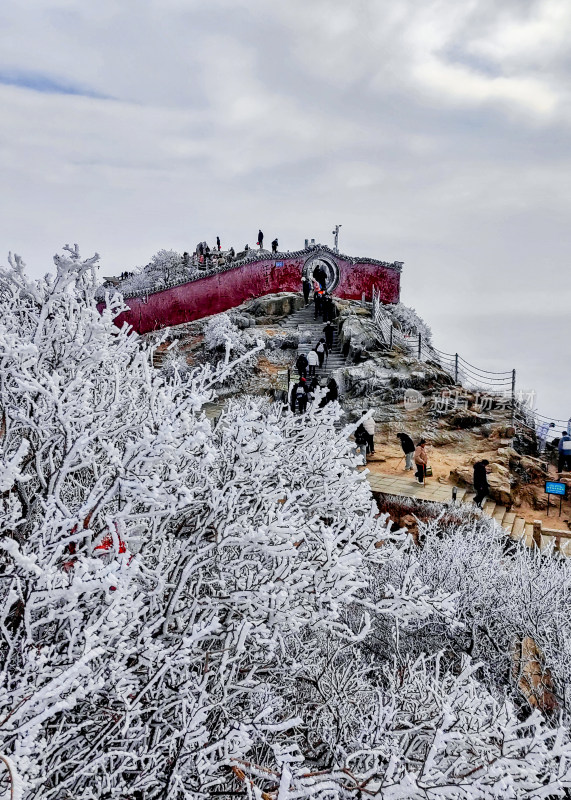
(515, 526)
(408, 486)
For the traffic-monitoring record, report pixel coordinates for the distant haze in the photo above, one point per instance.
(437, 133)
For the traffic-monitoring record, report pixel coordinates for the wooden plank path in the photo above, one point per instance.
(407, 486)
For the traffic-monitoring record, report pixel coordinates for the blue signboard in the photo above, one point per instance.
(554, 487)
(279, 263)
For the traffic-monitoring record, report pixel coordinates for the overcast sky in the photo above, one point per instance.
(436, 131)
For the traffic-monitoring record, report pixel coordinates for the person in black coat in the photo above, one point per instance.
(408, 448)
(329, 331)
(299, 396)
(306, 286)
(275, 246)
(301, 365)
(260, 239)
(218, 243)
(481, 485)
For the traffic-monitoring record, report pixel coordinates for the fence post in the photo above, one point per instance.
(537, 533)
(456, 369)
(419, 345)
(513, 396)
(391, 338)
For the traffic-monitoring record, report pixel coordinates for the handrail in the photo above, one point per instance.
(459, 368)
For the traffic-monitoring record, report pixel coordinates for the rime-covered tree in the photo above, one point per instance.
(188, 610)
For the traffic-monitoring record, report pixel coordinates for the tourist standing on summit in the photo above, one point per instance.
(218, 243)
(369, 426)
(421, 460)
(275, 246)
(564, 449)
(407, 447)
(260, 239)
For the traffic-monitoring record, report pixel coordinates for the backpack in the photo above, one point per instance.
(360, 435)
(320, 347)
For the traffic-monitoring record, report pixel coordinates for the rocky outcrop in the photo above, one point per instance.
(357, 336)
(499, 483)
(273, 307)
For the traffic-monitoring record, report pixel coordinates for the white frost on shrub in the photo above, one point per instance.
(189, 610)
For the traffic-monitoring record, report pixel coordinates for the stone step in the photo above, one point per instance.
(508, 521)
(499, 514)
(469, 497)
(489, 508)
(518, 529)
(528, 534)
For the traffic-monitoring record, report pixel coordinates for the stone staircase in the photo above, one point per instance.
(517, 527)
(304, 322)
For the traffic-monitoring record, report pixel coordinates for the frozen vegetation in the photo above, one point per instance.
(189, 611)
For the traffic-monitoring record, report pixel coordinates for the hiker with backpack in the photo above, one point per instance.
(361, 441)
(322, 353)
(313, 361)
(299, 396)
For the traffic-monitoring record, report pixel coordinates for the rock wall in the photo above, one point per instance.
(255, 277)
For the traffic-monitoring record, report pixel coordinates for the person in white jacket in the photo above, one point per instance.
(313, 360)
(369, 426)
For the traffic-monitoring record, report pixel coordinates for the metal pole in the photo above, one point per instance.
(391, 339)
(513, 396)
(419, 345)
(456, 369)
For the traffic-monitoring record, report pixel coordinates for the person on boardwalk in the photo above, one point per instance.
(306, 287)
(421, 460)
(408, 448)
(218, 243)
(481, 486)
(313, 361)
(275, 246)
(369, 426)
(361, 441)
(260, 239)
(564, 453)
(321, 351)
(301, 365)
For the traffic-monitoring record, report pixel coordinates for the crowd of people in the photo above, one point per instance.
(204, 257)
(304, 392)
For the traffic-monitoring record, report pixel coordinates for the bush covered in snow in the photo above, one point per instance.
(409, 321)
(165, 267)
(189, 611)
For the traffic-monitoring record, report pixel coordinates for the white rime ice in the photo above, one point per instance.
(188, 609)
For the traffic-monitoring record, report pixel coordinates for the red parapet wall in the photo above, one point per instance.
(226, 289)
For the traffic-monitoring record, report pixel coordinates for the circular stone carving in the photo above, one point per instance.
(328, 264)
